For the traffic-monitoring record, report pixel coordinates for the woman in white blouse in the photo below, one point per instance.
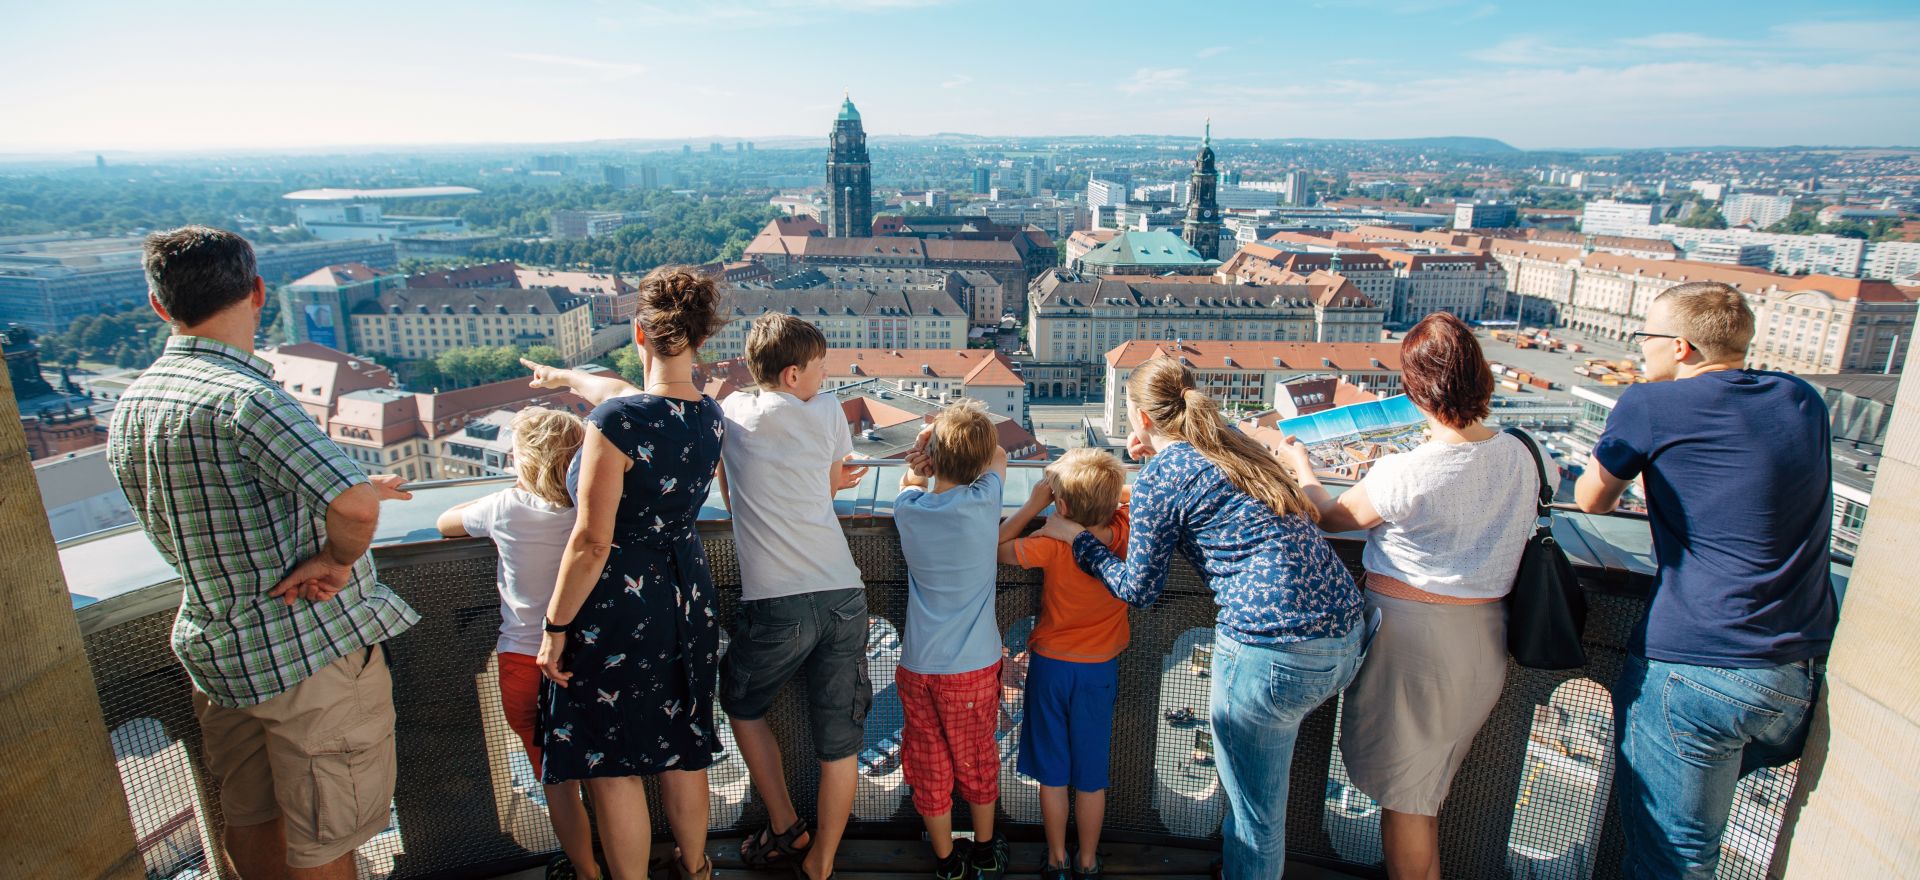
(1446, 523)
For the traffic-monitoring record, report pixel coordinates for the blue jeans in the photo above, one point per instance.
(1687, 734)
(1260, 695)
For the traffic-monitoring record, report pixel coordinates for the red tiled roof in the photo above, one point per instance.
(337, 275)
(970, 366)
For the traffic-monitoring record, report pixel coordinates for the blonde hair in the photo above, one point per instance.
(1712, 316)
(962, 443)
(1087, 485)
(544, 441)
(1164, 390)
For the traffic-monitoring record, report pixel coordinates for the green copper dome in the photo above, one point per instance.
(847, 111)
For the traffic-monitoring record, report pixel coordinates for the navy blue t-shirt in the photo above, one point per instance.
(1739, 483)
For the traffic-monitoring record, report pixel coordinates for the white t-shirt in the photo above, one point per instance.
(1457, 516)
(531, 535)
(785, 531)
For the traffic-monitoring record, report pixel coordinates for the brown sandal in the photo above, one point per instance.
(769, 850)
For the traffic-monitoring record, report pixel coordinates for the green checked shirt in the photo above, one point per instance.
(231, 480)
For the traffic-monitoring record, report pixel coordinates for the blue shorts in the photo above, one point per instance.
(1068, 729)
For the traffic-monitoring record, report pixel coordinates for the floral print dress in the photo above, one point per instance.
(643, 648)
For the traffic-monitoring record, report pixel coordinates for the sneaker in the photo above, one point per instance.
(988, 860)
(1050, 871)
(561, 868)
(954, 866)
(1097, 872)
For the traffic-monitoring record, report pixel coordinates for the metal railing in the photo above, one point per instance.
(1533, 799)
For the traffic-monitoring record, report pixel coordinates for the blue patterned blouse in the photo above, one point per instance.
(1275, 577)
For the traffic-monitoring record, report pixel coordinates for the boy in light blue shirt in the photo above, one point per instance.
(949, 675)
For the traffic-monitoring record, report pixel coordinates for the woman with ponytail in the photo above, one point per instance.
(1288, 634)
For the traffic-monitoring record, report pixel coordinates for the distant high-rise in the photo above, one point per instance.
(686, 149)
(614, 175)
(1202, 228)
(849, 177)
(99, 162)
(982, 179)
(1031, 179)
(1296, 187)
(715, 147)
(649, 177)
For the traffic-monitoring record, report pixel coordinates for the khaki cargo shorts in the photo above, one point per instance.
(321, 755)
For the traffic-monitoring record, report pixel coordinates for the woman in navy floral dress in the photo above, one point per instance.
(632, 644)
(1287, 637)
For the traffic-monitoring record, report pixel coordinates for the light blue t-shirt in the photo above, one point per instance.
(951, 542)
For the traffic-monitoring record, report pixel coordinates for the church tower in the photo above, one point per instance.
(849, 177)
(1202, 229)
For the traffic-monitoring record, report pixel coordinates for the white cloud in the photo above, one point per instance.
(1673, 41)
(1155, 79)
(956, 81)
(1211, 51)
(608, 70)
(757, 13)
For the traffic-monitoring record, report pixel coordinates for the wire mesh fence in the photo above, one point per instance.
(1533, 800)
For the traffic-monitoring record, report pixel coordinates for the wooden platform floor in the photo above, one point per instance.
(911, 860)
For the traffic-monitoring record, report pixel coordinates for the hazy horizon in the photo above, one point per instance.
(357, 76)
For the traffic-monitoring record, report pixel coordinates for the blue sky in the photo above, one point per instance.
(101, 76)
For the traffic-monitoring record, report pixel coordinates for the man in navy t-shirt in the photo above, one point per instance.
(1721, 674)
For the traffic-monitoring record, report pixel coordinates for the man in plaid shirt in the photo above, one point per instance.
(268, 523)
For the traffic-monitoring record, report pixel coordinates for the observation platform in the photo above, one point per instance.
(1533, 800)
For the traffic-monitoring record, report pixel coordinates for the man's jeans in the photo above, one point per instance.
(1687, 734)
(1260, 695)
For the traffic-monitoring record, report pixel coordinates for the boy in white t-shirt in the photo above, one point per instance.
(803, 604)
(529, 524)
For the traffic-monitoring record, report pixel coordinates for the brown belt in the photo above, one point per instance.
(1399, 589)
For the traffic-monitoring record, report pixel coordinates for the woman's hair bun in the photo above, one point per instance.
(679, 309)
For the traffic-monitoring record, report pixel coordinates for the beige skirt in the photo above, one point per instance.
(1430, 680)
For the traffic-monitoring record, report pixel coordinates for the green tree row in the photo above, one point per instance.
(467, 366)
(1808, 223)
(676, 229)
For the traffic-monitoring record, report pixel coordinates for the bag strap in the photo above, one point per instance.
(1539, 467)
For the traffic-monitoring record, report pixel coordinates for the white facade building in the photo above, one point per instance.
(1608, 217)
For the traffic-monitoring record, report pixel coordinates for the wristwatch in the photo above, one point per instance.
(557, 627)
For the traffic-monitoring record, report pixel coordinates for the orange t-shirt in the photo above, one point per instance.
(1080, 621)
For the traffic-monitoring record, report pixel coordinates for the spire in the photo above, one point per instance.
(1207, 140)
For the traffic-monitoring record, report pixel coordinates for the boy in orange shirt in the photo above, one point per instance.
(1073, 671)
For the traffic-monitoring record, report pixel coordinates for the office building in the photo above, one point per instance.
(1608, 217)
(1484, 215)
(982, 180)
(589, 224)
(314, 308)
(1106, 193)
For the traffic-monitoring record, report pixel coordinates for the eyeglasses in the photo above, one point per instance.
(1638, 335)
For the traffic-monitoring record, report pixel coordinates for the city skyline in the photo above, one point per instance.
(361, 75)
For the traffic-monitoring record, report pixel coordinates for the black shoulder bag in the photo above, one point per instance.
(1547, 611)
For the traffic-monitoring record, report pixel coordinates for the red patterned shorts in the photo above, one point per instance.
(948, 737)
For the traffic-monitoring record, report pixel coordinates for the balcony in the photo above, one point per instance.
(1533, 799)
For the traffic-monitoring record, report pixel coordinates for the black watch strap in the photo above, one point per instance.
(556, 627)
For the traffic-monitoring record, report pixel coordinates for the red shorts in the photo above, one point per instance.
(520, 699)
(948, 737)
